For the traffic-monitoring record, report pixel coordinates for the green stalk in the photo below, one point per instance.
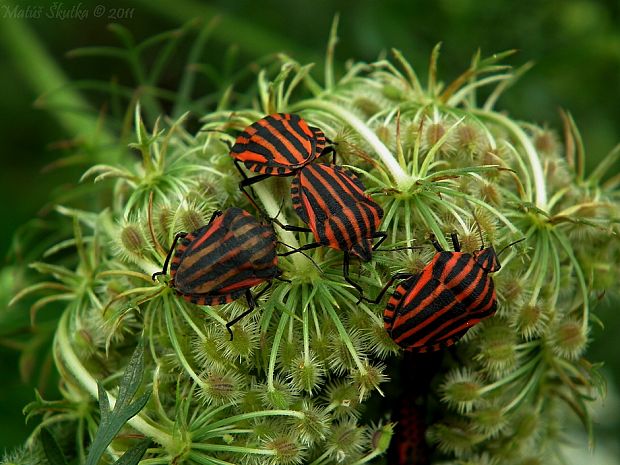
(532, 382)
(345, 338)
(564, 242)
(401, 178)
(512, 376)
(257, 414)
(274, 350)
(239, 449)
(175, 344)
(530, 152)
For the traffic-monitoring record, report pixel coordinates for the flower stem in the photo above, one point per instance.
(402, 179)
(65, 356)
(530, 151)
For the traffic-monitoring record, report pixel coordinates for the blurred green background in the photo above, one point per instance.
(575, 45)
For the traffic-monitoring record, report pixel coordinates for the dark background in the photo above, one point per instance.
(575, 46)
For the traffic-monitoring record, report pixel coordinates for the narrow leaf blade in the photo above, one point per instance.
(132, 377)
(133, 455)
(52, 450)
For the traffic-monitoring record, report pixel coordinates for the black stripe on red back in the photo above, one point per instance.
(276, 143)
(333, 203)
(234, 251)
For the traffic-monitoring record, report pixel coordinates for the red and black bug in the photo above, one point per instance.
(278, 145)
(433, 309)
(332, 202)
(223, 260)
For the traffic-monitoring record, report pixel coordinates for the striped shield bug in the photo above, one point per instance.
(222, 261)
(332, 202)
(278, 145)
(433, 309)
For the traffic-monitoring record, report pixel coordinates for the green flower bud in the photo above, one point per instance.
(346, 441)
(461, 389)
(456, 438)
(489, 420)
(287, 451)
(219, 387)
(306, 375)
(314, 426)
(498, 352)
(568, 339)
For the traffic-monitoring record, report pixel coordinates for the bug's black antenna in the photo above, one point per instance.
(510, 245)
(294, 250)
(479, 230)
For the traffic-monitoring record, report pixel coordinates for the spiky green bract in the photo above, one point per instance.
(299, 382)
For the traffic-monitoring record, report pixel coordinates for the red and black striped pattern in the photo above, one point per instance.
(433, 309)
(332, 202)
(278, 144)
(408, 447)
(219, 262)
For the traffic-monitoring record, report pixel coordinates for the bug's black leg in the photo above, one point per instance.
(312, 245)
(262, 291)
(174, 244)
(216, 213)
(327, 150)
(288, 227)
(300, 250)
(436, 244)
(379, 234)
(251, 306)
(455, 242)
(347, 278)
(247, 182)
(377, 299)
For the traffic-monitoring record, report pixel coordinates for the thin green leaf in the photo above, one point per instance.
(329, 57)
(605, 166)
(133, 455)
(112, 422)
(411, 74)
(52, 450)
(189, 77)
(123, 34)
(104, 403)
(97, 52)
(432, 70)
(132, 377)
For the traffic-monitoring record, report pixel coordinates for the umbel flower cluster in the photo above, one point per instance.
(312, 376)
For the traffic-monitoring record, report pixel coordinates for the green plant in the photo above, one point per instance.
(298, 381)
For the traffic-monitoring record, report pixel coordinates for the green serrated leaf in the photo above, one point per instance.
(104, 403)
(52, 450)
(132, 377)
(133, 455)
(133, 408)
(112, 422)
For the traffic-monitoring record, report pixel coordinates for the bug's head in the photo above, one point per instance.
(363, 250)
(487, 259)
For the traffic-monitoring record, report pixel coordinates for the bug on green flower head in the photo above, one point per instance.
(223, 260)
(332, 202)
(433, 309)
(278, 145)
